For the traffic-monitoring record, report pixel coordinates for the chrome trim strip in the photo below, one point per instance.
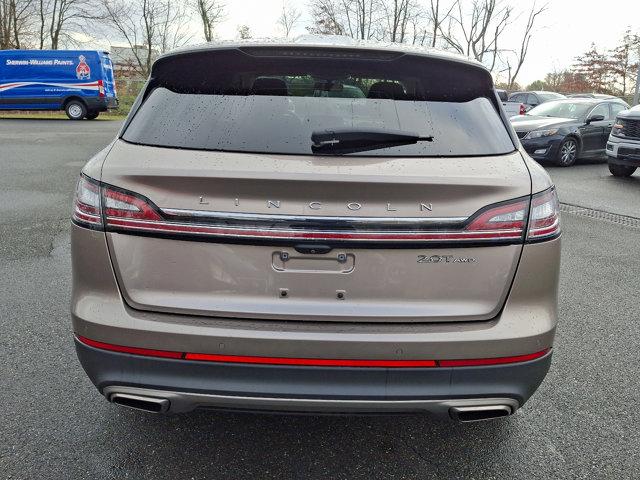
(305, 234)
(257, 217)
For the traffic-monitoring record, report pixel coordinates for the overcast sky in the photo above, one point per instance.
(565, 31)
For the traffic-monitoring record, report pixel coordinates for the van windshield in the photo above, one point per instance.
(274, 101)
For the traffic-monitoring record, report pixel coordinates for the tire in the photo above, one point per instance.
(92, 115)
(567, 153)
(621, 170)
(75, 110)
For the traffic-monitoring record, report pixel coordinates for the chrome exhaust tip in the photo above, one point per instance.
(140, 402)
(480, 413)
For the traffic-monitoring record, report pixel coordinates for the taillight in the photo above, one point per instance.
(118, 204)
(93, 199)
(523, 109)
(86, 203)
(100, 88)
(544, 218)
(505, 221)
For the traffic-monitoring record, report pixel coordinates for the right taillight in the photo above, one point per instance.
(523, 109)
(544, 216)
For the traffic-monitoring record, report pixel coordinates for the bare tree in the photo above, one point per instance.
(361, 16)
(438, 16)
(14, 19)
(149, 27)
(355, 18)
(211, 13)
(289, 17)
(399, 14)
(59, 16)
(521, 55)
(475, 33)
(326, 19)
(623, 60)
(174, 22)
(244, 32)
(419, 32)
(43, 23)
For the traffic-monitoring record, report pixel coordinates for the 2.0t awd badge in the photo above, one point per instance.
(444, 259)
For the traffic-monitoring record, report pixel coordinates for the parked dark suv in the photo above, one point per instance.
(316, 228)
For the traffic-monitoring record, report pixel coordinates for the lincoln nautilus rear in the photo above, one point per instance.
(316, 226)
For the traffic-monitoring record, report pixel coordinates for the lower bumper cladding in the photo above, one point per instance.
(175, 382)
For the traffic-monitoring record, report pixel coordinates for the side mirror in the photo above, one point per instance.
(595, 118)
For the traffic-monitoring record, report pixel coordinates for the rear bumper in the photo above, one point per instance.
(188, 385)
(101, 104)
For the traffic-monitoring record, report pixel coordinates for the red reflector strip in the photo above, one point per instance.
(83, 217)
(316, 362)
(492, 361)
(134, 350)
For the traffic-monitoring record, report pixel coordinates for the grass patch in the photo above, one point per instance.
(19, 115)
(124, 106)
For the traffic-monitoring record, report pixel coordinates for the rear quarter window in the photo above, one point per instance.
(272, 102)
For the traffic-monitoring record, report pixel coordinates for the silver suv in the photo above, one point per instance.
(317, 228)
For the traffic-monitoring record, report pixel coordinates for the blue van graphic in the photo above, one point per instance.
(80, 82)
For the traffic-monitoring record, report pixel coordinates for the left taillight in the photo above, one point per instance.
(94, 200)
(86, 203)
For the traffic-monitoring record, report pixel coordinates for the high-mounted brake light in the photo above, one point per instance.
(544, 219)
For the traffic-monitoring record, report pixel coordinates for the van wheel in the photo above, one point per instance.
(567, 153)
(621, 170)
(92, 115)
(75, 110)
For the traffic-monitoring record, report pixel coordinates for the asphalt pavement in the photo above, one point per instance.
(580, 424)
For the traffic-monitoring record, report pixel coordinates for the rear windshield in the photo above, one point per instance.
(272, 101)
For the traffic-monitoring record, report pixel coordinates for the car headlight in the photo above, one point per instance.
(541, 133)
(617, 129)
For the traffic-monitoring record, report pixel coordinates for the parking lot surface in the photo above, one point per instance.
(580, 424)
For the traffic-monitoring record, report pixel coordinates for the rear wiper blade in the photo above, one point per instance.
(352, 141)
